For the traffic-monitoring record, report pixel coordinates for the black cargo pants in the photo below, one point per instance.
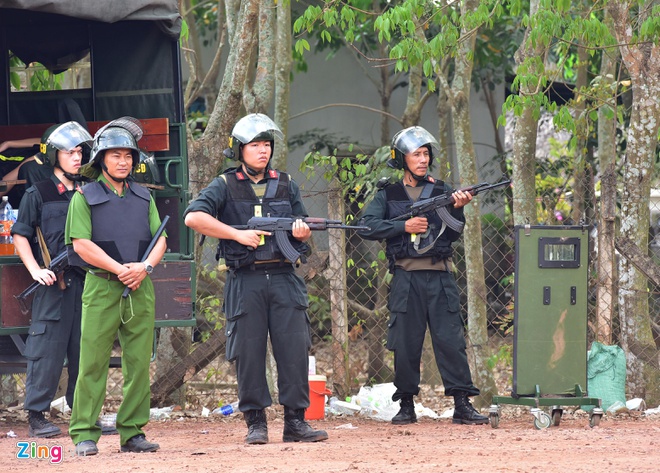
(259, 303)
(418, 299)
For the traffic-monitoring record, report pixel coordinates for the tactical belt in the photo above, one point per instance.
(424, 264)
(270, 267)
(104, 275)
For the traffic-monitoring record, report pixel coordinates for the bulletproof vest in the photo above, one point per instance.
(242, 204)
(53, 216)
(120, 225)
(401, 246)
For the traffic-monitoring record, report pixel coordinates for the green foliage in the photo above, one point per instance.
(415, 32)
(41, 79)
(356, 174)
(185, 31)
(206, 18)
(503, 356)
(319, 307)
(197, 122)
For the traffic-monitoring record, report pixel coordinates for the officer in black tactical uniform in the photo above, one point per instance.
(56, 307)
(423, 289)
(262, 295)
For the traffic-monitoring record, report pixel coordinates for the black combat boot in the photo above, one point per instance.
(297, 430)
(257, 427)
(406, 414)
(464, 413)
(40, 427)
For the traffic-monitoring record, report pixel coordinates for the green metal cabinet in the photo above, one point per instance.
(550, 322)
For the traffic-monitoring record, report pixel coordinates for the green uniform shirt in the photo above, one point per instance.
(79, 218)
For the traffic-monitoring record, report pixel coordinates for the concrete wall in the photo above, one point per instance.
(340, 80)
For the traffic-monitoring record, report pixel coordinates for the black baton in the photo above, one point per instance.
(152, 243)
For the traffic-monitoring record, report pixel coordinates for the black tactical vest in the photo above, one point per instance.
(120, 225)
(242, 204)
(53, 216)
(401, 246)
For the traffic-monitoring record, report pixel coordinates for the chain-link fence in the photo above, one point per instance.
(347, 280)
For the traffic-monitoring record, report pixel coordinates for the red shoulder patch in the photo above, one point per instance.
(272, 173)
(61, 188)
(240, 176)
(430, 179)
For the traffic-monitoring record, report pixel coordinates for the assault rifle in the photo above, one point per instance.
(441, 202)
(57, 265)
(281, 225)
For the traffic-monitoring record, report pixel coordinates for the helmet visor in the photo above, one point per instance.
(250, 126)
(69, 136)
(413, 138)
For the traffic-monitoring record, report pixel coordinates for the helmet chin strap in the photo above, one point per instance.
(253, 172)
(75, 177)
(105, 169)
(70, 176)
(415, 176)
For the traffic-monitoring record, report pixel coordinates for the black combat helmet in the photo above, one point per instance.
(408, 140)
(253, 127)
(123, 133)
(63, 137)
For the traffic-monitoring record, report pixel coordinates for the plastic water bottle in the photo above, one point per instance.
(227, 409)
(7, 219)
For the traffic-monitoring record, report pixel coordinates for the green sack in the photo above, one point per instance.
(606, 375)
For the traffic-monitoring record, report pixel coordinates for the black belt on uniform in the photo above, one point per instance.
(104, 275)
(269, 267)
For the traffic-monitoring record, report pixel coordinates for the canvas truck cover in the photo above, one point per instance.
(134, 52)
(165, 12)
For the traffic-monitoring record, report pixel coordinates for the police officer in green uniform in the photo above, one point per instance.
(423, 289)
(109, 225)
(262, 295)
(55, 329)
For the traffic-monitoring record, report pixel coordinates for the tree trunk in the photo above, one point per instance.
(207, 154)
(605, 300)
(258, 93)
(187, 367)
(283, 65)
(581, 181)
(524, 139)
(338, 308)
(477, 330)
(643, 64)
(173, 346)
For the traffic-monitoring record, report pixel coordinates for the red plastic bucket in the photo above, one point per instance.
(317, 394)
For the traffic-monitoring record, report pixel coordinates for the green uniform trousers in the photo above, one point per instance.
(104, 313)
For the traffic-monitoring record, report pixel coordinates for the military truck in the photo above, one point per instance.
(63, 58)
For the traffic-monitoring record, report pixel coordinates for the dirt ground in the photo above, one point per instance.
(189, 443)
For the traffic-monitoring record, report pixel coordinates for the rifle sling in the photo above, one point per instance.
(447, 221)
